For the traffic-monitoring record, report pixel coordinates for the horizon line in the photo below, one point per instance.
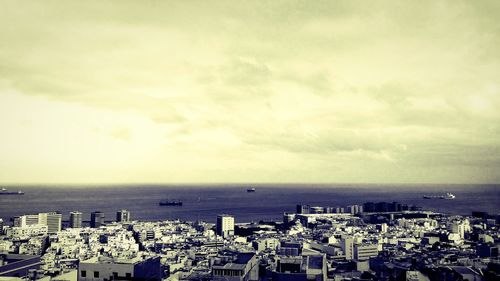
(238, 184)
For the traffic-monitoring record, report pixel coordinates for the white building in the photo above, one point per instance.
(104, 268)
(75, 219)
(225, 225)
(365, 251)
(52, 220)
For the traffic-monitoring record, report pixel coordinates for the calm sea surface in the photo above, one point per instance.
(269, 202)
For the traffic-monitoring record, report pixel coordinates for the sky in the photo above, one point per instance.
(249, 91)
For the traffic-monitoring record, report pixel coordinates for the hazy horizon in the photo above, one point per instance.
(247, 92)
(10, 186)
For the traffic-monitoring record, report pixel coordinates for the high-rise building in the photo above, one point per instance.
(303, 209)
(75, 219)
(288, 218)
(338, 210)
(52, 220)
(347, 245)
(354, 209)
(96, 219)
(225, 225)
(123, 216)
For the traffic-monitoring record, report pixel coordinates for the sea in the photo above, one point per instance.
(267, 203)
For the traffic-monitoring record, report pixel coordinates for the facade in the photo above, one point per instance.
(365, 251)
(75, 219)
(225, 225)
(236, 267)
(103, 268)
(457, 227)
(308, 266)
(27, 231)
(347, 245)
(52, 220)
(303, 209)
(96, 219)
(354, 209)
(288, 218)
(123, 216)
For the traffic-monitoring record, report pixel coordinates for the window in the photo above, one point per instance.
(83, 273)
(96, 274)
(115, 274)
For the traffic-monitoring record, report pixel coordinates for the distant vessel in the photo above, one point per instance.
(4, 191)
(170, 203)
(251, 189)
(447, 196)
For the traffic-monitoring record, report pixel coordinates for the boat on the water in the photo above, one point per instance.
(251, 189)
(447, 196)
(4, 191)
(167, 202)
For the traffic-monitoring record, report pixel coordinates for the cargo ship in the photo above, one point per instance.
(167, 202)
(447, 196)
(4, 191)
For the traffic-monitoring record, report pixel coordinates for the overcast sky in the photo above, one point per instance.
(250, 91)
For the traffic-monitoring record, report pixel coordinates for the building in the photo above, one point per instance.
(338, 210)
(105, 268)
(123, 216)
(233, 266)
(383, 207)
(225, 225)
(488, 250)
(52, 220)
(317, 210)
(309, 266)
(382, 227)
(457, 227)
(96, 219)
(303, 209)
(288, 218)
(290, 248)
(347, 245)
(26, 231)
(365, 251)
(354, 209)
(75, 219)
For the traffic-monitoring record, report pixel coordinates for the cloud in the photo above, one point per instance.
(252, 91)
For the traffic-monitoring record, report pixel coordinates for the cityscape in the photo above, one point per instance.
(369, 241)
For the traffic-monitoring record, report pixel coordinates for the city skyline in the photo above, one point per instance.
(249, 92)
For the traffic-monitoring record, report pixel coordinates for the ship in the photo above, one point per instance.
(4, 191)
(167, 202)
(447, 196)
(251, 189)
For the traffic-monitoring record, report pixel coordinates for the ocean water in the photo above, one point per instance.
(204, 202)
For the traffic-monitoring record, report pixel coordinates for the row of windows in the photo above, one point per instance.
(83, 273)
(226, 272)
